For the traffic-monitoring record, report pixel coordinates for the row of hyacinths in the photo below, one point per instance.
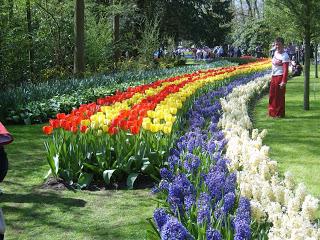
(288, 207)
(197, 192)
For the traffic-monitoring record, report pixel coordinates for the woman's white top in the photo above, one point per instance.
(277, 62)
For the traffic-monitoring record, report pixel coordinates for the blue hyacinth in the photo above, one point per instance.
(213, 234)
(174, 230)
(203, 208)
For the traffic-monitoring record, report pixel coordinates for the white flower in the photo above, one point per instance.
(310, 207)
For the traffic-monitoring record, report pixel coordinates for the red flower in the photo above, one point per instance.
(83, 129)
(135, 129)
(47, 130)
(54, 123)
(113, 130)
(61, 115)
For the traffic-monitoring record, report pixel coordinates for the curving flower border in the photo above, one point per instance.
(289, 208)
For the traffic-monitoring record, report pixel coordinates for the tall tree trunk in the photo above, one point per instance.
(316, 61)
(249, 8)
(306, 105)
(116, 36)
(79, 67)
(11, 3)
(257, 13)
(30, 40)
(242, 11)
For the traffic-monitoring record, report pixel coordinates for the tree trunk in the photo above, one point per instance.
(30, 40)
(116, 36)
(256, 9)
(249, 8)
(11, 3)
(79, 38)
(306, 105)
(242, 11)
(316, 61)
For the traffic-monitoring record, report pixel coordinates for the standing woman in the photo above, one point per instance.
(280, 64)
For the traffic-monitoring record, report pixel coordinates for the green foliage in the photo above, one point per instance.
(249, 34)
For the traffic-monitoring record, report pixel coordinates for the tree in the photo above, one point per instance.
(79, 66)
(30, 39)
(302, 15)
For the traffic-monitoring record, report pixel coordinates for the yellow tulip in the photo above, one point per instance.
(85, 122)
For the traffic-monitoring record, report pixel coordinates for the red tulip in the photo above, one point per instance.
(47, 130)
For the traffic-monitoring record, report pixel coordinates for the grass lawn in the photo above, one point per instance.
(295, 140)
(35, 213)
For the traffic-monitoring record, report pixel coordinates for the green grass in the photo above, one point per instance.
(295, 140)
(35, 213)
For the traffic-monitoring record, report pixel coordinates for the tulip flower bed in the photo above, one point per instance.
(129, 133)
(198, 192)
(34, 103)
(288, 208)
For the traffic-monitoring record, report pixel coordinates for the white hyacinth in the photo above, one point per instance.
(289, 208)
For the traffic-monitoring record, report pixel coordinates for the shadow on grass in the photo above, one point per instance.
(42, 198)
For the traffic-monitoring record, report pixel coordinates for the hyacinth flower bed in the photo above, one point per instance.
(198, 193)
(129, 133)
(279, 202)
(205, 194)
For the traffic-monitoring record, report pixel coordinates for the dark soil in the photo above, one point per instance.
(142, 182)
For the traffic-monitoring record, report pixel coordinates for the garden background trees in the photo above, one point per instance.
(37, 37)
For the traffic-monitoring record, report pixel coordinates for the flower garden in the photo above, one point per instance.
(193, 135)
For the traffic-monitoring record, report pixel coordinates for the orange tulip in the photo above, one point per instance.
(47, 130)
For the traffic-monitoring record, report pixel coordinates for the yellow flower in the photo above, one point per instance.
(85, 122)
(105, 128)
(146, 125)
(156, 120)
(167, 129)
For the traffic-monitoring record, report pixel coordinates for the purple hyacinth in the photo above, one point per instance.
(160, 217)
(215, 180)
(241, 223)
(173, 161)
(213, 234)
(174, 230)
(164, 185)
(191, 163)
(242, 230)
(228, 202)
(211, 146)
(166, 174)
(203, 208)
(189, 201)
(230, 185)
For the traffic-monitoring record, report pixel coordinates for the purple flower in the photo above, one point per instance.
(211, 146)
(160, 217)
(230, 185)
(164, 185)
(173, 161)
(215, 181)
(166, 174)
(174, 230)
(213, 234)
(228, 202)
(203, 208)
(191, 163)
(242, 230)
(189, 201)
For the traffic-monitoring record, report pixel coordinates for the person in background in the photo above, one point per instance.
(296, 67)
(280, 65)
